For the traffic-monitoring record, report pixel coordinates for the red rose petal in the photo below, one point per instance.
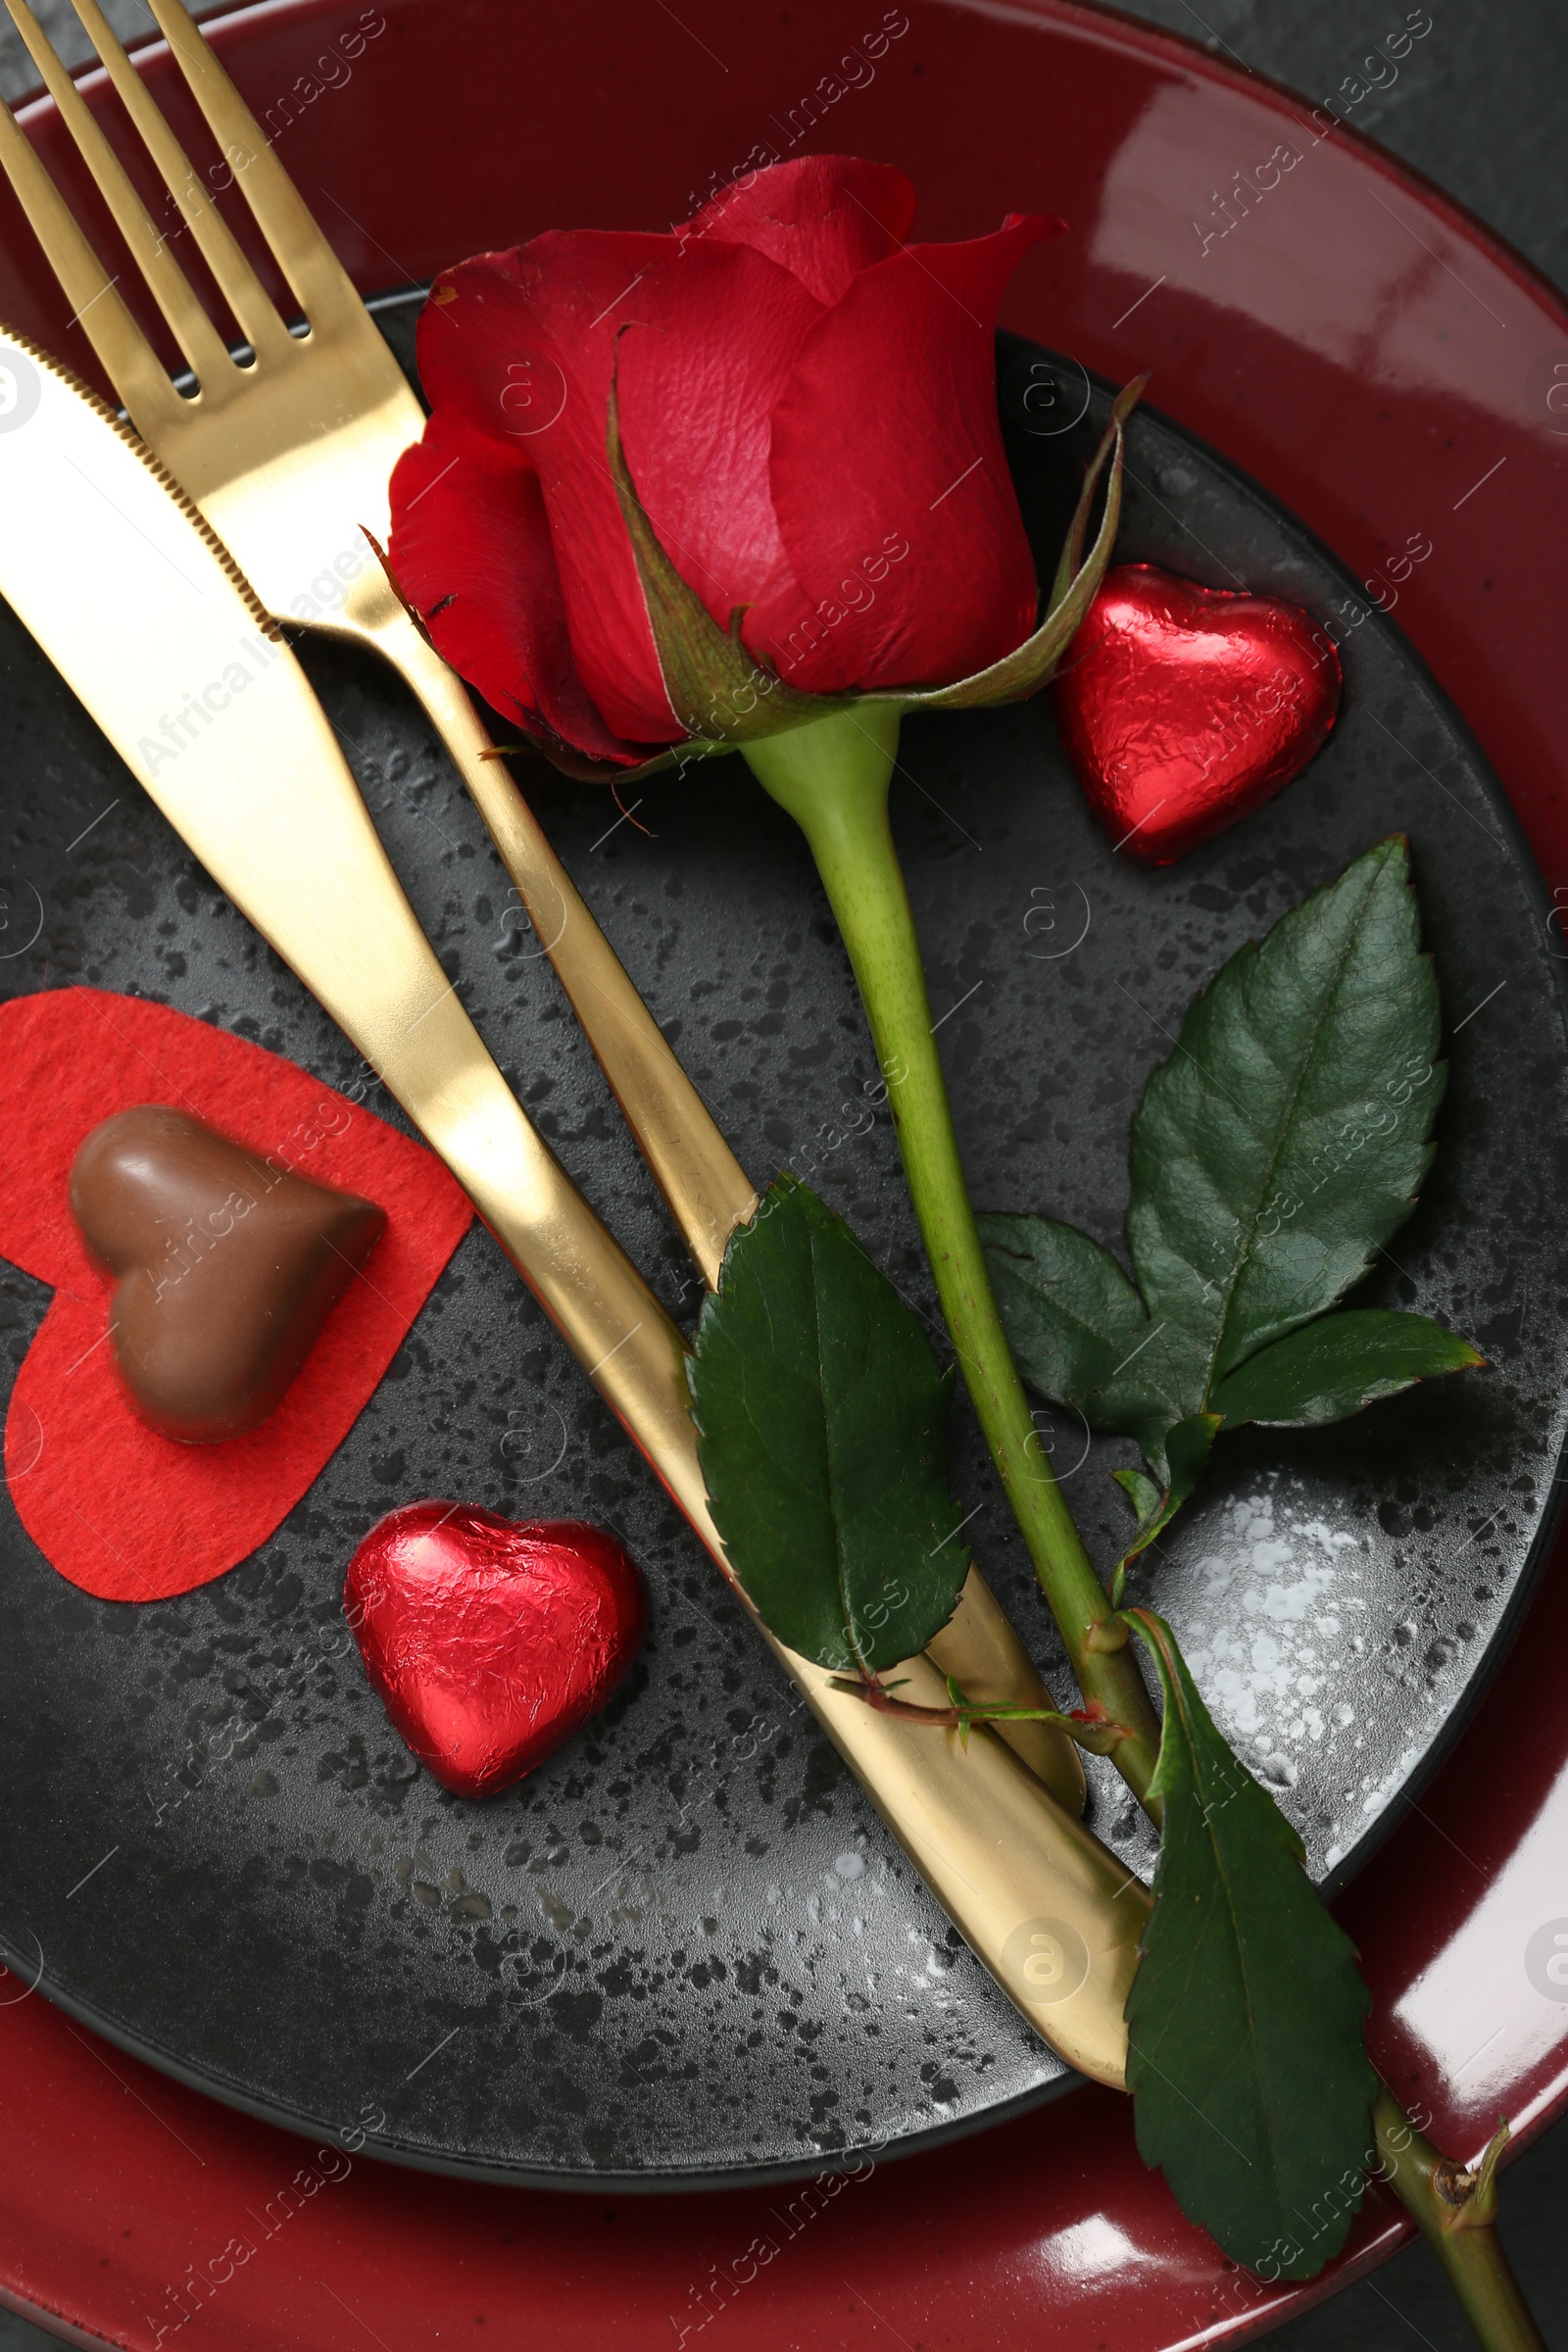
(706, 338)
(471, 551)
(484, 342)
(823, 218)
(696, 403)
(118, 1511)
(887, 436)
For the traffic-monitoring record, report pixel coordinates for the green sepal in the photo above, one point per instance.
(1030, 665)
(718, 692)
(724, 696)
(582, 769)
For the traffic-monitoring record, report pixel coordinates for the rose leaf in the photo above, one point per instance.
(1333, 1367)
(1286, 1139)
(1185, 1449)
(822, 1420)
(1077, 1327)
(1251, 2083)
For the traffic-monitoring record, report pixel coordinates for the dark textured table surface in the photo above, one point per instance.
(1482, 108)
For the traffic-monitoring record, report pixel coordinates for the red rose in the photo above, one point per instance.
(807, 410)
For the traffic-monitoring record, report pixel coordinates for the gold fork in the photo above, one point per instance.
(289, 458)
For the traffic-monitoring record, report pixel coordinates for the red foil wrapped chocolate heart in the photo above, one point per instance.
(489, 1639)
(1183, 707)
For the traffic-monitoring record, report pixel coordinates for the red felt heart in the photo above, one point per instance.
(1183, 707)
(491, 1641)
(126, 1513)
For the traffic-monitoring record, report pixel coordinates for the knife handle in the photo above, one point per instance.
(1055, 1916)
(706, 1188)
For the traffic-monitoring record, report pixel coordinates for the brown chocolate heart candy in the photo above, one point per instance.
(226, 1267)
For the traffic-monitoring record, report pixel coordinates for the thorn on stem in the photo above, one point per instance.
(1471, 2195)
(1091, 1728)
(627, 815)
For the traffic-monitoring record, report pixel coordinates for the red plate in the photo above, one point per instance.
(1384, 367)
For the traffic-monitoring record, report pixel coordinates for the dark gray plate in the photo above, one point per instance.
(685, 1952)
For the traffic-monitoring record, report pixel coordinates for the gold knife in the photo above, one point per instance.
(144, 613)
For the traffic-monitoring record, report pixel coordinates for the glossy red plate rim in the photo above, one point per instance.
(1045, 2228)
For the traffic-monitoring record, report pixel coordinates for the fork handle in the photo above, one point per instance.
(707, 1190)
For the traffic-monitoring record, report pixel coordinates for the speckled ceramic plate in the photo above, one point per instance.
(685, 1952)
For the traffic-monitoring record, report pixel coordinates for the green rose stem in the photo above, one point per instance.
(1457, 2213)
(832, 776)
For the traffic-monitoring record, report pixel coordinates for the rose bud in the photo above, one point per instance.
(783, 402)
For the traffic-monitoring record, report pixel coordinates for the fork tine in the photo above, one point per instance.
(237, 280)
(192, 330)
(324, 291)
(190, 323)
(127, 359)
